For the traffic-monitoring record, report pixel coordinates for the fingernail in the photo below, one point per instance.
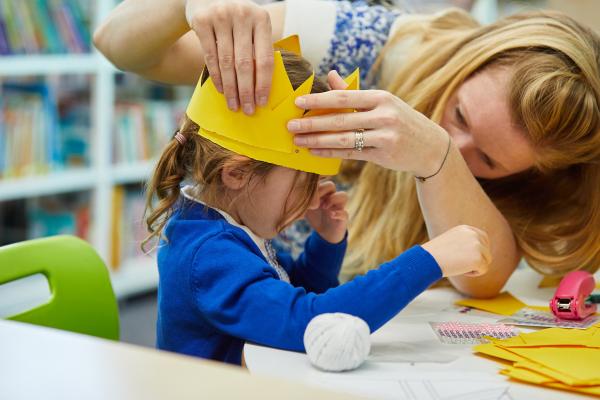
(300, 101)
(262, 101)
(232, 104)
(299, 141)
(248, 109)
(293, 125)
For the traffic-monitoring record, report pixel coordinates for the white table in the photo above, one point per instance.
(407, 361)
(43, 363)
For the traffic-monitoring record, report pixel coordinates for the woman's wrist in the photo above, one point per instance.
(435, 155)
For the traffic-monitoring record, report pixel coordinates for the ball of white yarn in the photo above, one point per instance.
(337, 341)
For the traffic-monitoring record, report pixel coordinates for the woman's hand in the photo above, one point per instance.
(236, 38)
(330, 219)
(462, 250)
(395, 135)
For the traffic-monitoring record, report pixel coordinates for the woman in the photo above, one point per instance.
(501, 122)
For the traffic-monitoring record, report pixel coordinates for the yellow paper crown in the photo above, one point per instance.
(263, 136)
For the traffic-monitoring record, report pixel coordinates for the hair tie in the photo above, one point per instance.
(179, 137)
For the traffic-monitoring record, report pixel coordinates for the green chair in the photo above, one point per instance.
(82, 297)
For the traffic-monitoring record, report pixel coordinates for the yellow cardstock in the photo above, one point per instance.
(570, 365)
(263, 136)
(503, 304)
(557, 358)
(525, 375)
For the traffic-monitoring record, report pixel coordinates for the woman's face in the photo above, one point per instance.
(478, 119)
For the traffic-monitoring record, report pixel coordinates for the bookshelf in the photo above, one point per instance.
(100, 176)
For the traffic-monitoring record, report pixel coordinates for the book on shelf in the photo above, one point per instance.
(64, 214)
(142, 129)
(59, 215)
(128, 228)
(44, 26)
(44, 127)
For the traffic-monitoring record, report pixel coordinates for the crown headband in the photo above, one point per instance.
(264, 136)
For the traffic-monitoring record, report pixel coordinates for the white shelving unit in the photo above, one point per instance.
(134, 276)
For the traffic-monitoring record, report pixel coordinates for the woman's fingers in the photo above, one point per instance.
(236, 37)
(338, 140)
(336, 82)
(226, 56)
(263, 54)
(206, 35)
(335, 122)
(362, 99)
(348, 154)
(244, 64)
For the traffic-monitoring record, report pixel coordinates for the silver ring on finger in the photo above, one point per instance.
(359, 140)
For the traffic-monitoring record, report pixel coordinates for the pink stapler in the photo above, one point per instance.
(570, 299)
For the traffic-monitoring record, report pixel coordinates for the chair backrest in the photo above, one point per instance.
(82, 299)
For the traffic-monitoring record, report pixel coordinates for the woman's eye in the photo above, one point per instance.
(488, 161)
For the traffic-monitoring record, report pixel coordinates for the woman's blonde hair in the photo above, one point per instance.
(554, 95)
(202, 161)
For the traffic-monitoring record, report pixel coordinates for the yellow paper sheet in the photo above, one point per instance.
(503, 304)
(497, 352)
(528, 376)
(566, 359)
(549, 282)
(568, 364)
(555, 337)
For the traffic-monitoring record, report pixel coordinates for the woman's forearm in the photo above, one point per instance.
(454, 197)
(171, 40)
(138, 34)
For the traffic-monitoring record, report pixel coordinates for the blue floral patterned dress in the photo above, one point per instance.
(359, 33)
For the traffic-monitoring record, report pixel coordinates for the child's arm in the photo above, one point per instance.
(238, 293)
(318, 266)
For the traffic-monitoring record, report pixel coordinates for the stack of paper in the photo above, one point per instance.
(558, 358)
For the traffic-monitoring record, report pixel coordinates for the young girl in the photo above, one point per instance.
(221, 282)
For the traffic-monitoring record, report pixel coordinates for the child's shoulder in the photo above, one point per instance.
(194, 226)
(205, 247)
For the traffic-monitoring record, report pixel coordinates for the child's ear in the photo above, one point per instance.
(235, 174)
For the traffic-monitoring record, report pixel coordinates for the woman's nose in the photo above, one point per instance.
(464, 142)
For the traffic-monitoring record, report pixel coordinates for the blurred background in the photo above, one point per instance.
(78, 139)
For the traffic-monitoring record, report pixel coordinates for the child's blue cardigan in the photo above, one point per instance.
(217, 290)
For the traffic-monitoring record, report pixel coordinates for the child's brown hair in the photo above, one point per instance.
(202, 160)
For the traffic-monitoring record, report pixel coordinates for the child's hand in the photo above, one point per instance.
(330, 219)
(461, 250)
